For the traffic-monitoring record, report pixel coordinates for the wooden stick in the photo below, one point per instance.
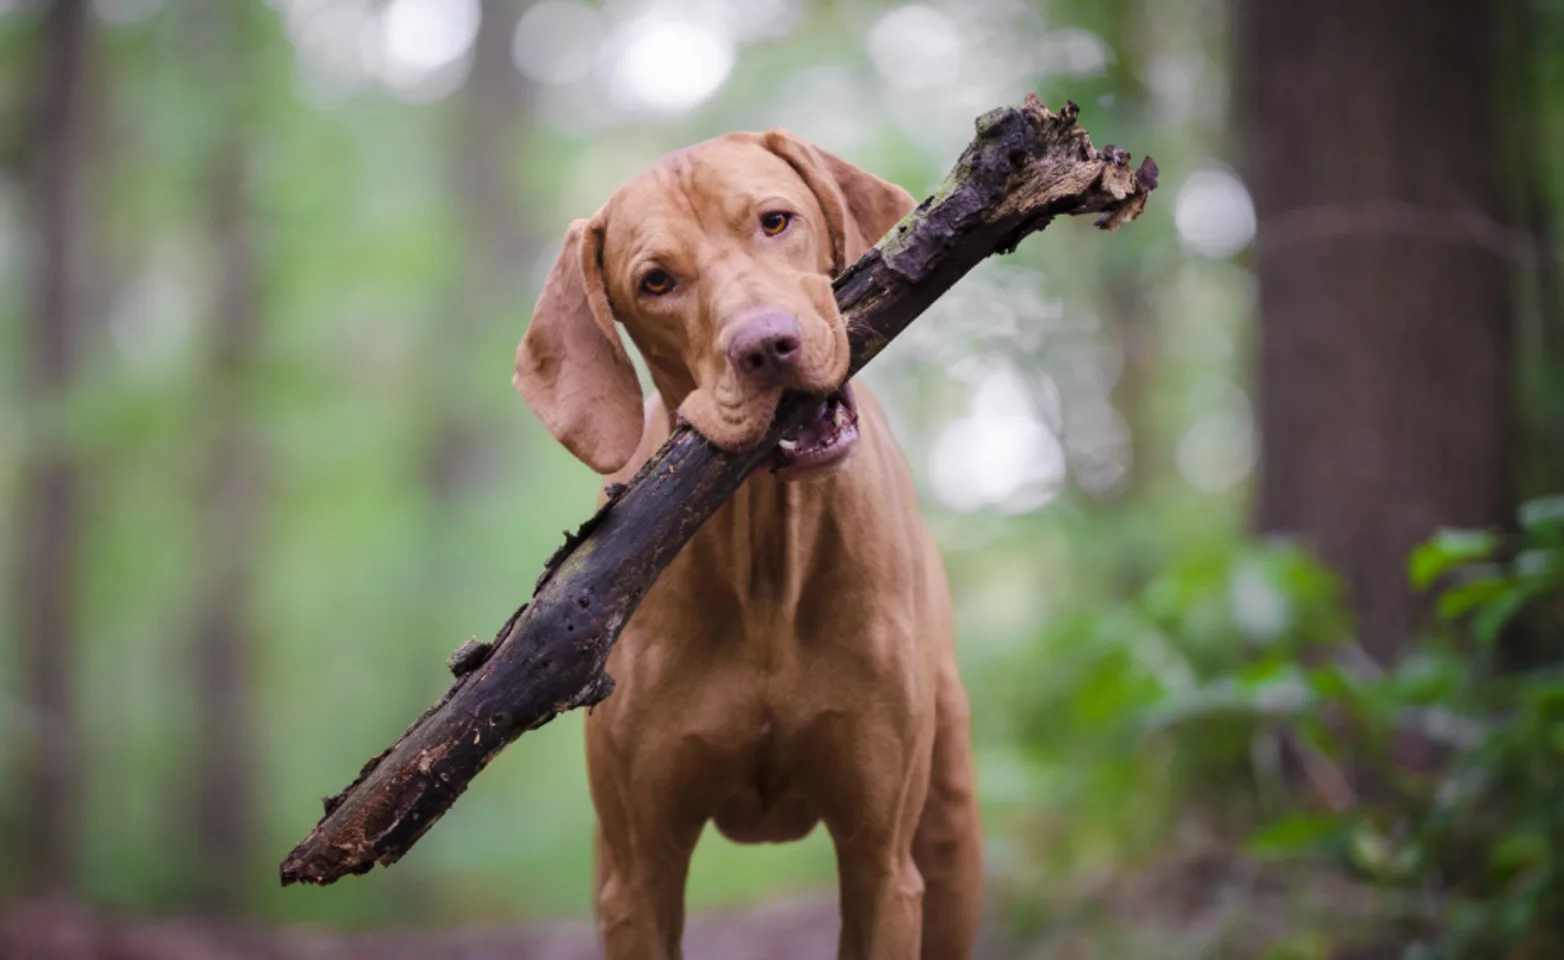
(1026, 166)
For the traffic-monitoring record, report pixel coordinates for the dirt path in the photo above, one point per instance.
(789, 930)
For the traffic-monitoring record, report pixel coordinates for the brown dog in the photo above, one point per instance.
(795, 663)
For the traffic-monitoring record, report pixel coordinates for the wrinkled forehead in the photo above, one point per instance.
(711, 189)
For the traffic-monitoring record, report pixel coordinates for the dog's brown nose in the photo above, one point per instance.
(766, 348)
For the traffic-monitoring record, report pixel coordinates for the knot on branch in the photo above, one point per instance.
(469, 656)
(594, 693)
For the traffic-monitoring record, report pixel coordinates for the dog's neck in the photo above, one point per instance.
(773, 538)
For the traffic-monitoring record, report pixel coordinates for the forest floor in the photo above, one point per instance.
(1190, 905)
(788, 930)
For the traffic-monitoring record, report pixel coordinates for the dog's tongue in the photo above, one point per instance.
(817, 429)
(831, 426)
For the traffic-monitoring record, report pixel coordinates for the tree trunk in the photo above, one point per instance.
(487, 114)
(1385, 345)
(232, 490)
(1127, 312)
(484, 286)
(1123, 284)
(221, 638)
(49, 495)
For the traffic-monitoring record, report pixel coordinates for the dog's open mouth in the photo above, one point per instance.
(822, 441)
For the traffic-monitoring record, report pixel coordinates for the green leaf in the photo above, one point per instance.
(1495, 615)
(1329, 682)
(1447, 550)
(1544, 693)
(1303, 945)
(1295, 834)
(1515, 851)
(1379, 856)
(1461, 600)
(1540, 565)
(1543, 512)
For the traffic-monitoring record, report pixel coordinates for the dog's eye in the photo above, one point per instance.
(657, 283)
(775, 223)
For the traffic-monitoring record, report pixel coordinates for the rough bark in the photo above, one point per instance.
(1026, 166)
(1384, 365)
(49, 496)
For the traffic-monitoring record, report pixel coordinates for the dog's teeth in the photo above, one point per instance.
(839, 417)
(788, 445)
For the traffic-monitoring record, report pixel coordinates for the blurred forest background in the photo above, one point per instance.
(1251, 509)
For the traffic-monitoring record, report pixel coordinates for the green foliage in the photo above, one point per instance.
(1150, 707)
(1448, 550)
(1230, 686)
(1458, 754)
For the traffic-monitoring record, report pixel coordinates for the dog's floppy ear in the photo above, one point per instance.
(571, 367)
(860, 208)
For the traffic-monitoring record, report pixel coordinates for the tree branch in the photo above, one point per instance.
(1026, 166)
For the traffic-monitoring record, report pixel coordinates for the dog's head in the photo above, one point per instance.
(718, 262)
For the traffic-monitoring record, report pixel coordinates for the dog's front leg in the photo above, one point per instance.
(882, 902)
(645, 838)
(948, 847)
(640, 898)
(873, 814)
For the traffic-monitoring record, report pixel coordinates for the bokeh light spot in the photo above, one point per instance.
(916, 47)
(423, 46)
(1073, 51)
(124, 11)
(1218, 452)
(765, 19)
(999, 455)
(1213, 214)
(557, 42)
(670, 64)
